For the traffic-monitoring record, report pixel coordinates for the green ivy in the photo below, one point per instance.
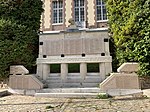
(129, 25)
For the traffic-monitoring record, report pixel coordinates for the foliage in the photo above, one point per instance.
(129, 25)
(102, 96)
(19, 24)
(24, 12)
(15, 46)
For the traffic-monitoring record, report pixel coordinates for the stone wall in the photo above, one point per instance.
(125, 79)
(18, 79)
(120, 81)
(24, 82)
(74, 46)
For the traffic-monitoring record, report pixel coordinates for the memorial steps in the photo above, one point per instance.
(69, 92)
(73, 86)
(73, 80)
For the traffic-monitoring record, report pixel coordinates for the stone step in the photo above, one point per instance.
(73, 74)
(74, 80)
(68, 76)
(67, 95)
(71, 85)
(71, 90)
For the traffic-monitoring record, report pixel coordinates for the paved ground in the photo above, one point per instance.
(19, 103)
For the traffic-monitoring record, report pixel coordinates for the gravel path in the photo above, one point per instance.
(18, 103)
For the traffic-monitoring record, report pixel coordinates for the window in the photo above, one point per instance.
(79, 10)
(57, 11)
(101, 10)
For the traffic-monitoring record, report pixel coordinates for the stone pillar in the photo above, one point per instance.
(102, 71)
(106, 46)
(83, 70)
(46, 71)
(108, 65)
(39, 70)
(64, 71)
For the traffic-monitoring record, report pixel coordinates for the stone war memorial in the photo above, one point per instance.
(75, 63)
(74, 58)
(81, 48)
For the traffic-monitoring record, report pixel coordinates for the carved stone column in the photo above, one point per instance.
(83, 70)
(64, 71)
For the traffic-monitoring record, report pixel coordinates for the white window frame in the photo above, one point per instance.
(79, 8)
(57, 9)
(101, 5)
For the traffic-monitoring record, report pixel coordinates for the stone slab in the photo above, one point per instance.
(67, 95)
(58, 60)
(70, 90)
(18, 69)
(128, 67)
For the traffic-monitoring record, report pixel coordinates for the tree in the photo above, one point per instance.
(129, 25)
(19, 25)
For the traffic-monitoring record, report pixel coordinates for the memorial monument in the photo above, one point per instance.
(74, 46)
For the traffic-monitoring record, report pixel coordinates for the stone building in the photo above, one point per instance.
(82, 45)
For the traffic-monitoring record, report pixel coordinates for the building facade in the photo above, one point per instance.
(86, 13)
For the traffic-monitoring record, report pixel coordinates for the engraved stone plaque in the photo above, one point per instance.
(54, 48)
(72, 46)
(92, 45)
